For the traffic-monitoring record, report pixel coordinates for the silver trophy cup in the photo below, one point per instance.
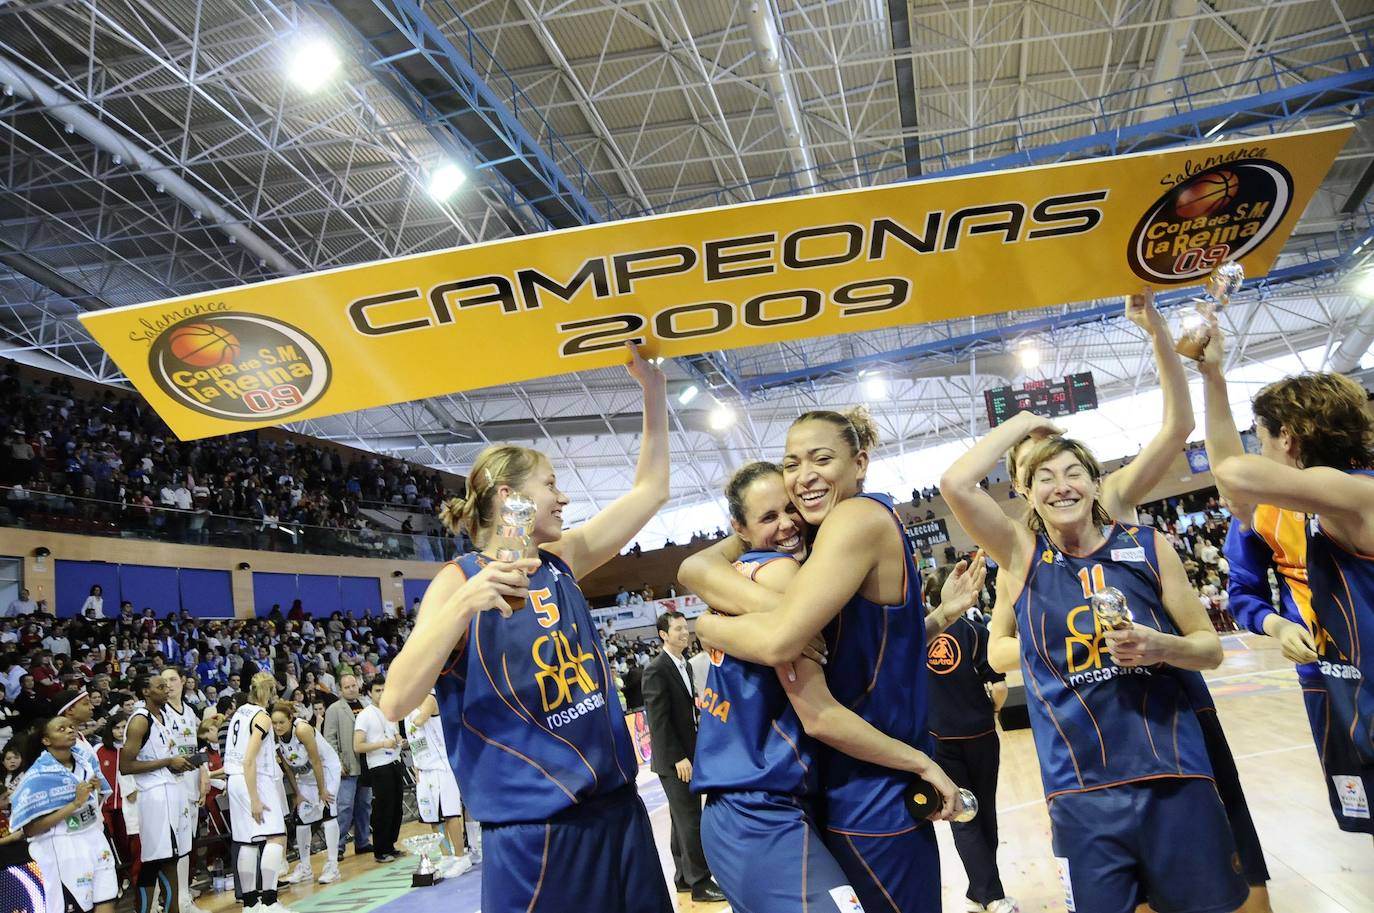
(422, 845)
(966, 807)
(1194, 333)
(1109, 605)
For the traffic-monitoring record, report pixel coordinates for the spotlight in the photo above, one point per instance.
(688, 394)
(244, 566)
(1365, 284)
(1029, 356)
(722, 417)
(875, 386)
(445, 181)
(314, 64)
(42, 552)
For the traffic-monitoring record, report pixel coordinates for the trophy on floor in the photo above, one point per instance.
(512, 538)
(1195, 333)
(1109, 605)
(422, 845)
(923, 802)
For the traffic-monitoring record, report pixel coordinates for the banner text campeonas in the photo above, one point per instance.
(536, 306)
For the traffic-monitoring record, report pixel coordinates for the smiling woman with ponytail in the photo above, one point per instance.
(543, 756)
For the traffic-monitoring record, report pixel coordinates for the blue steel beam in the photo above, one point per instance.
(1270, 102)
(957, 346)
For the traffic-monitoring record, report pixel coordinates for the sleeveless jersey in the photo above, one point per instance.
(297, 759)
(236, 744)
(530, 720)
(181, 731)
(157, 746)
(1095, 723)
(876, 669)
(427, 747)
(1343, 602)
(749, 737)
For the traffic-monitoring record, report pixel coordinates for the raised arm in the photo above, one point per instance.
(1124, 489)
(1195, 647)
(711, 574)
(1223, 440)
(450, 603)
(840, 562)
(827, 720)
(603, 536)
(977, 511)
(1344, 502)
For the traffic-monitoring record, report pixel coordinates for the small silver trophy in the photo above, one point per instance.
(422, 845)
(1109, 605)
(511, 540)
(965, 806)
(1223, 282)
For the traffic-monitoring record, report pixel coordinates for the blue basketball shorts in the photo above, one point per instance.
(1349, 781)
(768, 857)
(1164, 841)
(599, 855)
(891, 873)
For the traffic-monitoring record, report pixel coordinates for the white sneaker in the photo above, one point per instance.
(453, 866)
(190, 907)
(330, 873)
(277, 907)
(301, 874)
(1005, 905)
(973, 906)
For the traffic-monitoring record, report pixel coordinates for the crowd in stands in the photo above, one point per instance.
(46, 661)
(108, 459)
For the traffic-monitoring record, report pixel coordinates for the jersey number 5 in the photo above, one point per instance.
(546, 608)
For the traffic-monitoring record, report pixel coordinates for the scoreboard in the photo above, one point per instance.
(1075, 393)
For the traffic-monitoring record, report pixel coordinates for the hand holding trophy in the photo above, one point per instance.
(1109, 605)
(511, 540)
(1224, 282)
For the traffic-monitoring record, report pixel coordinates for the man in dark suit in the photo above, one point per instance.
(670, 703)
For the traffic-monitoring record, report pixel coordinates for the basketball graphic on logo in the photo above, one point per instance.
(1206, 194)
(203, 346)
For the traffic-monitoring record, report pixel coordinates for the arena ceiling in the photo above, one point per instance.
(160, 148)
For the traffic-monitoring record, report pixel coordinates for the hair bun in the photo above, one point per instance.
(864, 427)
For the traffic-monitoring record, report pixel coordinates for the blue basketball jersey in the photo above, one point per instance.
(749, 737)
(876, 669)
(1343, 600)
(1095, 723)
(531, 722)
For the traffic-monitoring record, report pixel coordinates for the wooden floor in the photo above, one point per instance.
(1315, 867)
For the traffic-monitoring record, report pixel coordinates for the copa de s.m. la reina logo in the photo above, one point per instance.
(239, 366)
(1218, 214)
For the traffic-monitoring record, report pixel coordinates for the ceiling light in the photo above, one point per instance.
(1029, 356)
(314, 64)
(875, 386)
(445, 181)
(1365, 284)
(688, 394)
(722, 417)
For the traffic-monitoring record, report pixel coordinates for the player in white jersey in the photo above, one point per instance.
(148, 756)
(194, 784)
(436, 788)
(257, 798)
(57, 804)
(313, 767)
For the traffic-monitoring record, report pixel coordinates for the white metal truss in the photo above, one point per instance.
(668, 105)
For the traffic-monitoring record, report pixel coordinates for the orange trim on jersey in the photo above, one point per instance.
(804, 766)
(506, 748)
(1088, 789)
(864, 862)
(1354, 621)
(761, 565)
(905, 830)
(1040, 695)
(462, 644)
(1102, 743)
(961, 738)
(1145, 721)
(505, 672)
(543, 868)
(605, 683)
(877, 664)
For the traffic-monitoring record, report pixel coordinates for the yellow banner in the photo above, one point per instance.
(541, 305)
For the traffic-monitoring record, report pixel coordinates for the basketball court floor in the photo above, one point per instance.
(1315, 867)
